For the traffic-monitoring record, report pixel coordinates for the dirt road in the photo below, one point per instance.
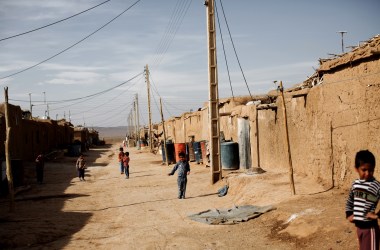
(108, 211)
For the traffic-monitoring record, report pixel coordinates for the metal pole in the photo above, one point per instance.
(30, 104)
(138, 123)
(135, 120)
(342, 33)
(163, 129)
(8, 152)
(149, 110)
(287, 141)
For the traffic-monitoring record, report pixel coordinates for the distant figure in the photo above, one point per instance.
(40, 165)
(362, 201)
(158, 135)
(81, 166)
(121, 155)
(183, 168)
(126, 160)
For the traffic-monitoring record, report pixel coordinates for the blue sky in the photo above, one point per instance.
(274, 40)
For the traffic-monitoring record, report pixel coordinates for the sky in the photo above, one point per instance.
(89, 68)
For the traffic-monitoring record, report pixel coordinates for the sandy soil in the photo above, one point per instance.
(143, 212)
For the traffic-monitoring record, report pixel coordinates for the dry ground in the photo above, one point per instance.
(111, 212)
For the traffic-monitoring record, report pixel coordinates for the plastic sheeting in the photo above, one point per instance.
(231, 216)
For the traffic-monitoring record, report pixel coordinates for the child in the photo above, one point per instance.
(183, 170)
(126, 164)
(121, 155)
(81, 165)
(362, 201)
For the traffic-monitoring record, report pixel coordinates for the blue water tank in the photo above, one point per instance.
(229, 154)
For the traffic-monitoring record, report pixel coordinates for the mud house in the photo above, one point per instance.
(30, 136)
(81, 136)
(331, 115)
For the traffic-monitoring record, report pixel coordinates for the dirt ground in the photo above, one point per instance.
(108, 211)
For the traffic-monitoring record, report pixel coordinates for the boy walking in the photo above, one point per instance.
(183, 168)
(362, 201)
(81, 165)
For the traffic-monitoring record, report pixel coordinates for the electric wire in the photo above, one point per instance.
(172, 28)
(224, 51)
(42, 27)
(62, 51)
(84, 97)
(167, 32)
(155, 89)
(175, 32)
(113, 98)
(233, 45)
(168, 27)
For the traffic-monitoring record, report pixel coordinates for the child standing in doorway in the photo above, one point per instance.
(183, 168)
(362, 201)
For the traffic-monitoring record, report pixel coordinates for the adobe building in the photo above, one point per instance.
(330, 116)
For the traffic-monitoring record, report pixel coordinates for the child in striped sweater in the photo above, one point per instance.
(362, 201)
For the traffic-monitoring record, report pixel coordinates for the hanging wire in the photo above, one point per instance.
(30, 31)
(84, 97)
(35, 65)
(171, 31)
(233, 45)
(224, 51)
(100, 105)
(155, 89)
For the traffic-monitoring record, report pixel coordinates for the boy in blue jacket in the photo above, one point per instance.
(183, 168)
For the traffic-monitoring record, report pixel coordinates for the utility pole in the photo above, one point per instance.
(30, 104)
(163, 129)
(214, 126)
(287, 140)
(8, 153)
(342, 33)
(137, 122)
(149, 110)
(45, 104)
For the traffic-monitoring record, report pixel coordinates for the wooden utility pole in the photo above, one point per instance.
(8, 153)
(149, 110)
(287, 141)
(137, 125)
(214, 127)
(163, 129)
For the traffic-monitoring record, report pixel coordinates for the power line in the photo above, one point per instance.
(30, 31)
(224, 51)
(233, 45)
(107, 101)
(84, 97)
(35, 65)
(173, 26)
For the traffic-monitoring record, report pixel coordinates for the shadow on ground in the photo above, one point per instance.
(38, 218)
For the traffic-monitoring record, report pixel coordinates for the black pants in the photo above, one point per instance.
(181, 187)
(81, 173)
(40, 174)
